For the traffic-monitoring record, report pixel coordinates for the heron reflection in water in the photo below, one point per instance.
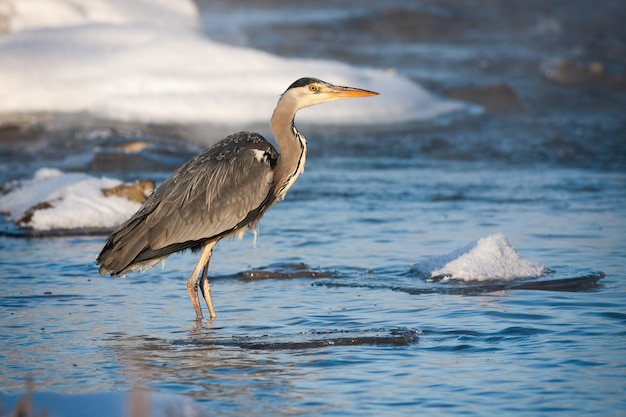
(221, 192)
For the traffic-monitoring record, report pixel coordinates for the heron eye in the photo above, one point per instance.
(312, 88)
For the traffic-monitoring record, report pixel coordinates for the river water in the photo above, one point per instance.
(328, 315)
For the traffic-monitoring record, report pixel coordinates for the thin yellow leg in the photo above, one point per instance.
(206, 289)
(192, 282)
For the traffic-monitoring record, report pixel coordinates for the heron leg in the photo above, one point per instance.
(205, 287)
(192, 282)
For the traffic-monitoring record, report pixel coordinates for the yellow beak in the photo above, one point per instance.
(349, 92)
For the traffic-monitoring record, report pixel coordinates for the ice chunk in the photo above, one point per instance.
(489, 258)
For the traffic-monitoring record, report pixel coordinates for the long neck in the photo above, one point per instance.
(292, 147)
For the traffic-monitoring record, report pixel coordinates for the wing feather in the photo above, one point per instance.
(210, 199)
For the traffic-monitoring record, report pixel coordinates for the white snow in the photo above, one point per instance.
(77, 200)
(489, 258)
(37, 14)
(148, 61)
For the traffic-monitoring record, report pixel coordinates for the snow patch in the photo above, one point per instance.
(76, 201)
(489, 258)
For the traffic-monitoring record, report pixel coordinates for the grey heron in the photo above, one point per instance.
(223, 191)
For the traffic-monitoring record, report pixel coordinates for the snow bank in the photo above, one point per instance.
(76, 200)
(38, 14)
(489, 258)
(148, 61)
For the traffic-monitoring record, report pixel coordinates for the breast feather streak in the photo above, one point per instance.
(282, 191)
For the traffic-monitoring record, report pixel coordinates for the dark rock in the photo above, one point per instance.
(27, 217)
(138, 192)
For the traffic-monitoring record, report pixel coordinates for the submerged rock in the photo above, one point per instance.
(315, 339)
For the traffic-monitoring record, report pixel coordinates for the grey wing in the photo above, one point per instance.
(213, 195)
(220, 191)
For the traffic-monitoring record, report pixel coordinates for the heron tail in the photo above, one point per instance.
(123, 247)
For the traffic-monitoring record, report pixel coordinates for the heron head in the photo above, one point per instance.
(311, 91)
